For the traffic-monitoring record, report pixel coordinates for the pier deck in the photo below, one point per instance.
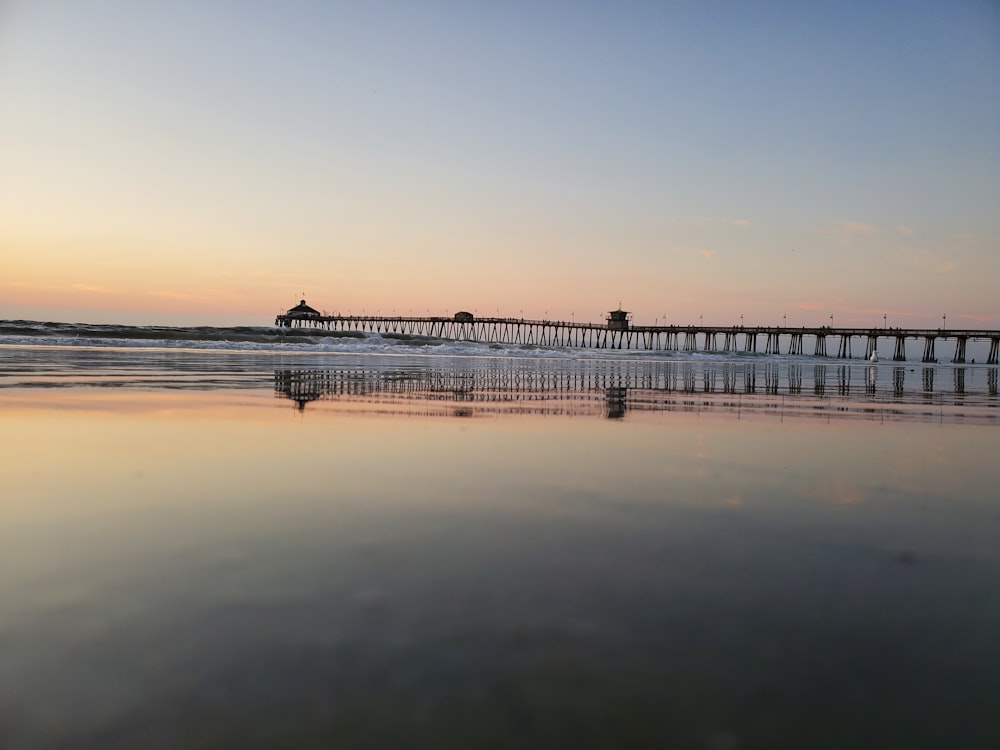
(701, 338)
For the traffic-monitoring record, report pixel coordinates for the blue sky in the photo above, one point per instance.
(214, 160)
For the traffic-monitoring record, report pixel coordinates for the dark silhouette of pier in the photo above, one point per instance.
(618, 332)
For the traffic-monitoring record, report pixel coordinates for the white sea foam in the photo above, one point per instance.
(268, 339)
(372, 343)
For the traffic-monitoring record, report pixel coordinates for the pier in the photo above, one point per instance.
(618, 332)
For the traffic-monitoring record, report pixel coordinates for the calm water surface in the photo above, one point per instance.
(236, 550)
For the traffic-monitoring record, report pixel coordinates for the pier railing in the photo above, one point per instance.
(825, 340)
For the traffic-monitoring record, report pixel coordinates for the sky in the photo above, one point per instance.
(213, 162)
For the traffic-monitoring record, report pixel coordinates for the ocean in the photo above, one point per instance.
(219, 537)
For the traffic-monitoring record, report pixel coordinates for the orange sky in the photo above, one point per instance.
(484, 162)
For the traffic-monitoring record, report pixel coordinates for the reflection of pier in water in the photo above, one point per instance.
(614, 388)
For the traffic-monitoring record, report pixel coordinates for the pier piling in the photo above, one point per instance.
(624, 335)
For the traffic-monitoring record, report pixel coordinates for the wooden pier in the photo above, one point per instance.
(619, 333)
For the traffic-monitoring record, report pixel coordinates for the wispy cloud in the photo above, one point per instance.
(834, 304)
(905, 231)
(93, 288)
(59, 287)
(703, 221)
(927, 261)
(706, 253)
(269, 273)
(977, 317)
(174, 294)
(891, 313)
(849, 232)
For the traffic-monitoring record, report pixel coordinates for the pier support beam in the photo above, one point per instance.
(820, 350)
(960, 350)
(899, 355)
(929, 349)
(872, 346)
(795, 345)
(994, 351)
(844, 350)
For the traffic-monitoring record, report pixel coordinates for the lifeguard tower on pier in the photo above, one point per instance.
(618, 320)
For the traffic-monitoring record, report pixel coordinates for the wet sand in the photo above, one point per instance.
(195, 555)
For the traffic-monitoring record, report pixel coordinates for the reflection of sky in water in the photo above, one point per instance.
(214, 567)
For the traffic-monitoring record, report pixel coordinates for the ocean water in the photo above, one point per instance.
(233, 537)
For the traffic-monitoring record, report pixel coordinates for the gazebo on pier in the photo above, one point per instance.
(301, 311)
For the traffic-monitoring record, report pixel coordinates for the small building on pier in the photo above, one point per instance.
(302, 311)
(618, 320)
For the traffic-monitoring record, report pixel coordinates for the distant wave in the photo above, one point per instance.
(272, 339)
(283, 340)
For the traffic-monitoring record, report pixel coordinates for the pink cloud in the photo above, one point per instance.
(978, 317)
(707, 253)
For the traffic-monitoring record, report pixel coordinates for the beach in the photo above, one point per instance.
(499, 375)
(246, 544)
